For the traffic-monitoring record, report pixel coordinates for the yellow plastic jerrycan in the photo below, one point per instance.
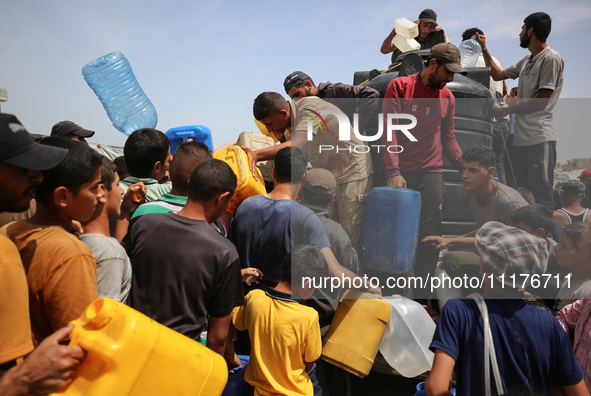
(247, 185)
(356, 332)
(265, 131)
(130, 354)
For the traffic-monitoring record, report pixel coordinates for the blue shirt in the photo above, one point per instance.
(264, 230)
(532, 348)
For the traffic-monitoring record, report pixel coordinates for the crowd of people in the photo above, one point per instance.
(152, 230)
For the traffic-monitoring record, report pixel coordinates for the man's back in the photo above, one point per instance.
(61, 273)
(183, 270)
(532, 349)
(285, 335)
(264, 231)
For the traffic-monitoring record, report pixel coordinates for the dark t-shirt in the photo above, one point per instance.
(532, 348)
(264, 231)
(435, 37)
(183, 270)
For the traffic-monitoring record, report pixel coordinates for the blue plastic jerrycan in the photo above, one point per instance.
(391, 229)
(182, 134)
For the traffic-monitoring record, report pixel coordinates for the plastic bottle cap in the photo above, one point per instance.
(100, 312)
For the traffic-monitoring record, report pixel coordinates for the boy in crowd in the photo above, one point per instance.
(571, 194)
(147, 157)
(574, 252)
(266, 227)
(285, 334)
(61, 271)
(113, 267)
(532, 350)
(50, 366)
(488, 200)
(183, 269)
(186, 158)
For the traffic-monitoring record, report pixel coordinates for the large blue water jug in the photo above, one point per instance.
(391, 229)
(113, 81)
(198, 133)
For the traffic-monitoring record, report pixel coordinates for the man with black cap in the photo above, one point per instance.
(571, 194)
(50, 366)
(71, 130)
(351, 99)
(430, 33)
(317, 193)
(416, 164)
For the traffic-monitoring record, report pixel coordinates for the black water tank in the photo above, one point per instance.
(473, 125)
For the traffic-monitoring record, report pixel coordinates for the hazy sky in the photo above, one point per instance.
(205, 62)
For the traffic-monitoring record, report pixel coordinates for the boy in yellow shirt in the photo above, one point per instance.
(285, 335)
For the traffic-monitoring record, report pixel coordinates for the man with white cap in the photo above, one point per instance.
(532, 350)
(51, 366)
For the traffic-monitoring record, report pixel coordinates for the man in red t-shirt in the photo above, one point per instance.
(413, 160)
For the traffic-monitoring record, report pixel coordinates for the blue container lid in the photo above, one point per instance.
(182, 134)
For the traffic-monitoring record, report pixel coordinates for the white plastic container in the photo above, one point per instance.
(405, 345)
(405, 45)
(406, 28)
(445, 291)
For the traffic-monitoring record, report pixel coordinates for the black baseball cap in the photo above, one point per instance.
(449, 55)
(428, 15)
(65, 128)
(295, 78)
(18, 148)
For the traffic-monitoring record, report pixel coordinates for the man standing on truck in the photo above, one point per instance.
(540, 77)
(430, 34)
(413, 160)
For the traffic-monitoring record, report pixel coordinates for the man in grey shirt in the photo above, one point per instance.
(488, 200)
(540, 77)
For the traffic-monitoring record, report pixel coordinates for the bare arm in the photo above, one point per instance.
(535, 104)
(495, 71)
(387, 45)
(48, 368)
(456, 243)
(217, 335)
(128, 206)
(438, 383)
(576, 390)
